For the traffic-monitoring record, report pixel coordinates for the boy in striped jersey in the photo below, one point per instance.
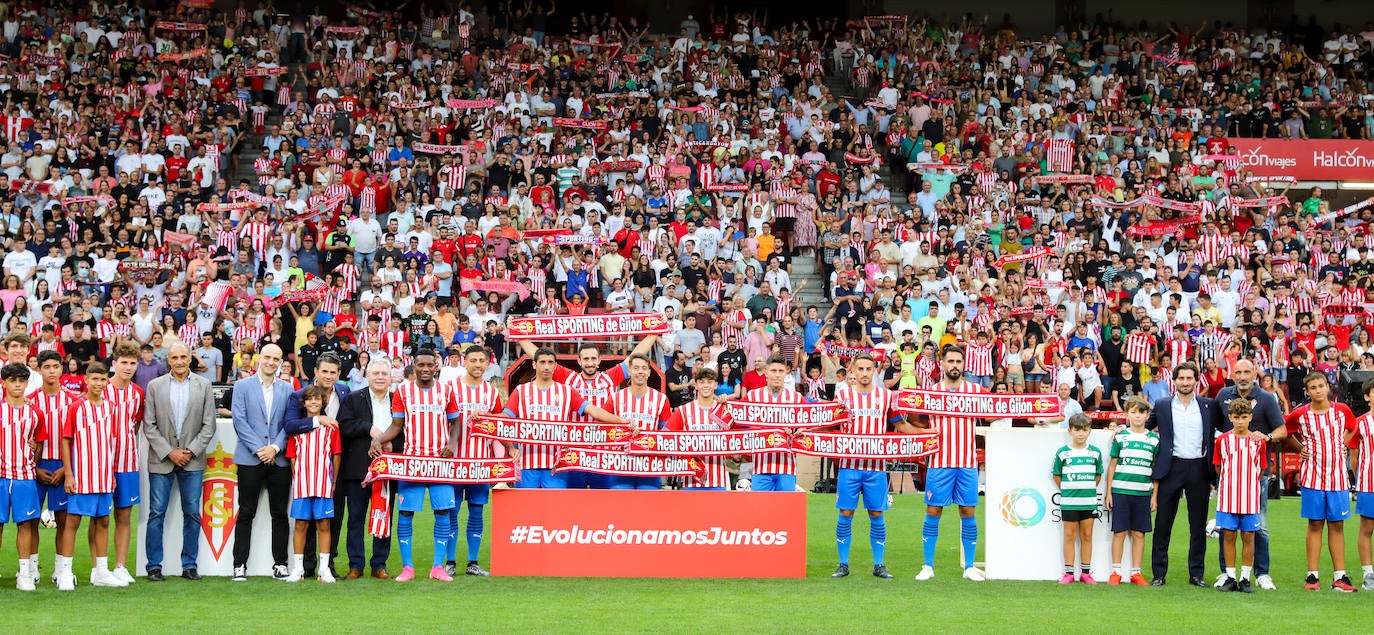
(1361, 442)
(1323, 425)
(705, 413)
(645, 409)
(52, 401)
(1240, 461)
(22, 432)
(314, 465)
(1130, 490)
(774, 471)
(88, 456)
(870, 412)
(1077, 470)
(126, 405)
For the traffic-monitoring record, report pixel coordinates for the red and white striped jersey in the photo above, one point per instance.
(312, 462)
(774, 462)
(956, 433)
(728, 331)
(1363, 440)
(20, 428)
(692, 417)
(1059, 154)
(483, 398)
(1138, 347)
(427, 412)
(126, 407)
(869, 413)
(1240, 462)
(53, 410)
(1323, 436)
(92, 435)
(558, 402)
(394, 342)
(257, 233)
(1179, 351)
(979, 358)
(596, 390)
(646, 412)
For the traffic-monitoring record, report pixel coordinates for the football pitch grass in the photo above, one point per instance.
(860, 603)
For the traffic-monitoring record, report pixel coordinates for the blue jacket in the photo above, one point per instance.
(254, 425)
(296, 421)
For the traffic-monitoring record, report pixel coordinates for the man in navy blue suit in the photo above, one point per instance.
(327, 370)
(1186, 423)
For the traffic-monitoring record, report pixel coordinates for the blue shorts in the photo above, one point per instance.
(1131, 512)
(474, 494)
(312, 508)
(1280, 374)
(577, 479)
(18, 501)
(850, 483)
(126, 489)
(773, 483)
(93, 505)
(636, 482)
(1328, 505)
(947, 486)
(1364, 504)
(55, 495)
(1239, 522)
(410, 496)
(542, 479)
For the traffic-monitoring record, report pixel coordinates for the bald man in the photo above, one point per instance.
(1266, 422)
(179, 421)
(259, 413)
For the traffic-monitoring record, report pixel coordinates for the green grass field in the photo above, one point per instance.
(860, 603)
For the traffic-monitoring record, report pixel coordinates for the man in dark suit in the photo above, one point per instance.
(327, 371)
(364, 412)
(1186, 423)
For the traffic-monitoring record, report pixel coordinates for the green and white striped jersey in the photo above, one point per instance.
(1135, 459)
(1078, 471)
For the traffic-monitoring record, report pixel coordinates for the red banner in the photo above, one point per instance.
(1342, 310)
(225, 207)
(544, 233)
(1344, 211)
(1029, 254)
(426, 469)
(561, 327)
(350, 30)
(583, 124)
(179, 57)
(1308, 159)
(1268, 201)
(499, 286)
(562, 433)
(728, 187)
(662, 534)
(1163, 227)
(850, 352)
(263, 71)
(434, 148)
(179, 26)
(616, 166)
(86, 198)
(1063, 178)
(709, 443)
(889, 447)
(621, 464)
(983, 405)
(470, 104)
(180, 239)
(787, 415)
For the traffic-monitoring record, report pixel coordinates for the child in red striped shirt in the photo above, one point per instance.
(314, 467)
(1240, 460)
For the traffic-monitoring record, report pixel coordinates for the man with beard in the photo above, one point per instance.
(952, 475)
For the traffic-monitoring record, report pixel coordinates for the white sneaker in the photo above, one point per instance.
(66, 582)
(1265, 582)
(1221, 579)
(975, 574)
(927, 572)
(294, 575)
(326, 577)
(24, 583)
(35, 574)
(122, 574)
(104, 577)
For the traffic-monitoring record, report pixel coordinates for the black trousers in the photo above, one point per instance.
(352, 498)
(252, 480)
(1186, 478)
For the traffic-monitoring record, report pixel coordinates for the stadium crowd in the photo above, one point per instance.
(1064, 207)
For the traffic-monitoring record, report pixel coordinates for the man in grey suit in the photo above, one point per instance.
(259, 413)
(179, 421)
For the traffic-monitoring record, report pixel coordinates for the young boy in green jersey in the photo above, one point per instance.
(1130, 491)
(1077, 471)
